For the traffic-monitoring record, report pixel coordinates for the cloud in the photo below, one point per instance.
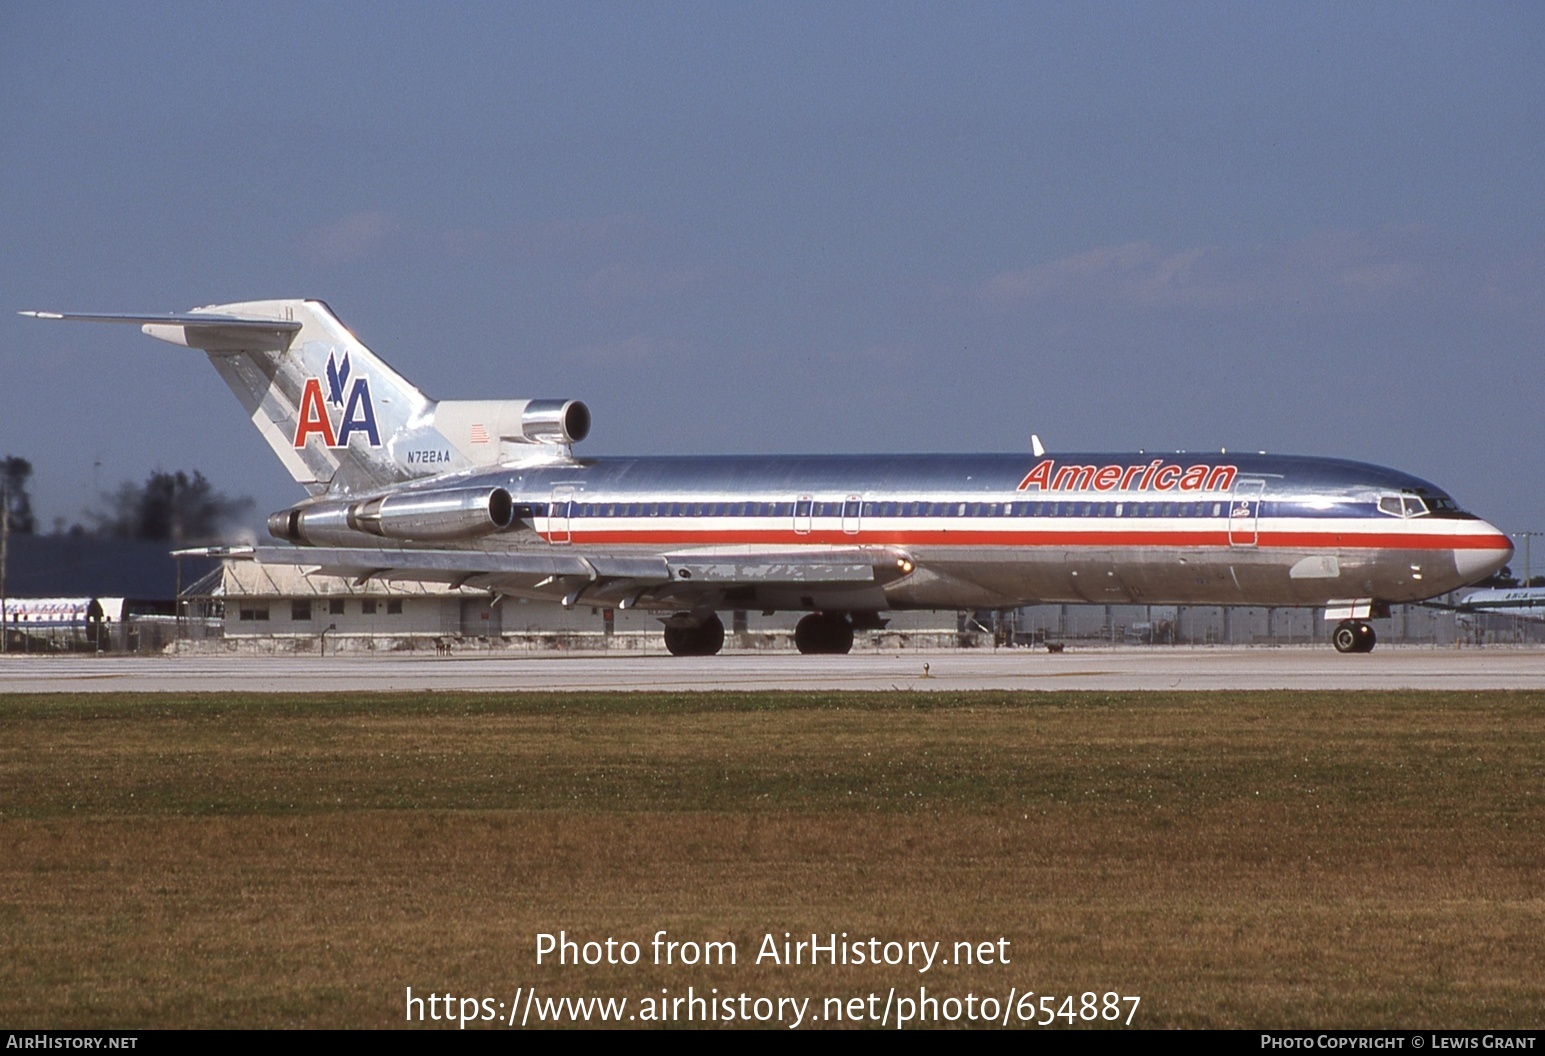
(349, 238)
(1133, 274)
(1331, 270)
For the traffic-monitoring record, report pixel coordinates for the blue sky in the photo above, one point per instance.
(1305, 228)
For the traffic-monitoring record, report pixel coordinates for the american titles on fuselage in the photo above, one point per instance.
(1157, 475)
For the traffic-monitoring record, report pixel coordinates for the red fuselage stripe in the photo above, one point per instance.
(1265, 539)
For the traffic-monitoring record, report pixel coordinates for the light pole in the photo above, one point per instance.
(1526, 536)
(5, 542)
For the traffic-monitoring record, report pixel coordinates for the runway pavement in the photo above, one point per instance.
(1021, 669)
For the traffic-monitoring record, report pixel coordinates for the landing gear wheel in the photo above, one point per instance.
(824, 632)
(1353, 636)
(706, 639)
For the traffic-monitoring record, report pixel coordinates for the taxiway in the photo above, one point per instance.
(1093, 669)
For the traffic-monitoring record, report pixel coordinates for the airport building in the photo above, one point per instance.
(242, 606)
(255, 607)
(246, 606)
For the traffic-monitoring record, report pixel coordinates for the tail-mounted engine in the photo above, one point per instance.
(429, 516)
(490, 432)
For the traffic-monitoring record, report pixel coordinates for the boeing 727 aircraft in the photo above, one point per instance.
(489, 494)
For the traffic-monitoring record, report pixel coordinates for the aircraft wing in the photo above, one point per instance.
(682, 579)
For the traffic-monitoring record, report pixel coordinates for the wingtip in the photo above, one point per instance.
(42, 315)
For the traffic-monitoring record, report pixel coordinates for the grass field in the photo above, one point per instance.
(1235, 860)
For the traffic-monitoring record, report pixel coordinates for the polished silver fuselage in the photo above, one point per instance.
(981, 531)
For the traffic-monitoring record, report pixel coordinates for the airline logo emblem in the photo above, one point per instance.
(316, 410)
(1157, 475)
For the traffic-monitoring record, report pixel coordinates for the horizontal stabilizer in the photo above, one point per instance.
(208, 331)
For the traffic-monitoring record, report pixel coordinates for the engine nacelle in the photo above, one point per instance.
(555, 421)
(427, 516)
(487, 432)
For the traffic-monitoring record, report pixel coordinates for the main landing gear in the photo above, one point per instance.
(706, 639)
(1353, 636)
(824, 632)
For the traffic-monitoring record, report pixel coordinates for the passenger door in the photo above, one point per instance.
(558, 514)
(1244, 512)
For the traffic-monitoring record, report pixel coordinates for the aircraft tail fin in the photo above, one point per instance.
(339, 418)
(324, 402)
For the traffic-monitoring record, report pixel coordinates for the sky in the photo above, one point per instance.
(849, 227)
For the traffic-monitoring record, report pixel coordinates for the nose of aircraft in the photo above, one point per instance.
(1487, 550)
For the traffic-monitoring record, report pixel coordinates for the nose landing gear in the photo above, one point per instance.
(1353, 636)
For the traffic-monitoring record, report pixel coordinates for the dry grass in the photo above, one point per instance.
(1307, 860)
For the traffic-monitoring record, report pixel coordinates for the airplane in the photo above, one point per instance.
(1526, 603)
(489, 494)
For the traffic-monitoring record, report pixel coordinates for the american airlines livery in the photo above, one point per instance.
(488, 494)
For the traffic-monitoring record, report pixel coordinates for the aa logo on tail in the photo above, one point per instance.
(359, 415)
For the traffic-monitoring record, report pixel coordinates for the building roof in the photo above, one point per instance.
(242, 577)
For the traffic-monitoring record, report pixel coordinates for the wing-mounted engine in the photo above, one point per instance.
(498, 432)
(419, 516)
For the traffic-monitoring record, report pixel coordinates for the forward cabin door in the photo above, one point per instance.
(1244, 512)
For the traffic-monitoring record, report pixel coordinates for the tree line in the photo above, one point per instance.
(175, 507)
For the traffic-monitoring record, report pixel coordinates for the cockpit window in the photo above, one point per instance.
(1404, 506)
(1424, 505)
